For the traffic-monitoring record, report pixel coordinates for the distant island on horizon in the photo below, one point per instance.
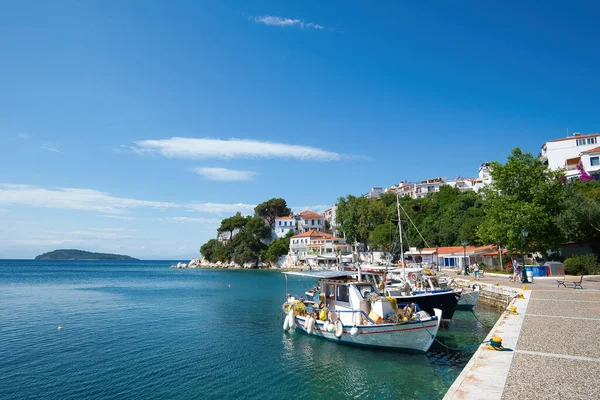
(73, 254)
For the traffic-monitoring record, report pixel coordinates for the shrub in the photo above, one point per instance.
(581, 265)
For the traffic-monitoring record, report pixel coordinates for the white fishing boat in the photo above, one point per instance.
(468, 298)
(346, 310)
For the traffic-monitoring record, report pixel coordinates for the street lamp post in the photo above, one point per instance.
(437, 258)
(420, 257)
(524, 233)
(464, 244)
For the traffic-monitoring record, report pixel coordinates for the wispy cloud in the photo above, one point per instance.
(285, 22)
(224, 174)
(93, 200)
(196, 148)
(50, 147)
(190, 220)
(220, 208)
(73, 199)
(23, 136)
(48, 238)
(118, 217)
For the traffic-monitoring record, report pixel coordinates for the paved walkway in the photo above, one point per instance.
(555, 338)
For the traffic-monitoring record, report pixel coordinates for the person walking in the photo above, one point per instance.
(515, 270)
(476, 271)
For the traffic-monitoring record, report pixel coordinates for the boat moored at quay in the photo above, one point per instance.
(346, 310)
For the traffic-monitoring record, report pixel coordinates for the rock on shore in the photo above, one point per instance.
(202, 263)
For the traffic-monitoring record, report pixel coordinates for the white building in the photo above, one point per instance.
(318, 244)
(428, 186)
(283, 225)
(329, 215)
(566, 153)
(590, 161)
(374, 193)
(403, 188)
(308, 220)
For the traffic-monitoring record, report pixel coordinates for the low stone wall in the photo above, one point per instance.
(492, 295)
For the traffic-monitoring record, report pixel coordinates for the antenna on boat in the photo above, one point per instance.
(400, 231)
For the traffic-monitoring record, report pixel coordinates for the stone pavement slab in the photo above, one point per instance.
(570, 308)
(560, 336)
(540, 377)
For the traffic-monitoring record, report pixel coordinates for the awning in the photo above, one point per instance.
(321, 274)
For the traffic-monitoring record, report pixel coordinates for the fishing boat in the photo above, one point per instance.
(344, 309)
(468, 298)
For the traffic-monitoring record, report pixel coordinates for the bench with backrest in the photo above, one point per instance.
(571, 281)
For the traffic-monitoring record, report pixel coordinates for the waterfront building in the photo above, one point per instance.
(566, 153)
(313, 244)
(310, 220)
(456, 256)
(284, 225)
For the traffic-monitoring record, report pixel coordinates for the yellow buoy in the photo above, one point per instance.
(513, 310)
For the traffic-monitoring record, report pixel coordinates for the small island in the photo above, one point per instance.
(72, 254)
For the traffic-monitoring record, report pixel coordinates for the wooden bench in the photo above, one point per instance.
(576, 283)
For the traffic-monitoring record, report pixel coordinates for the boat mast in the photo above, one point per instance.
(400, 231)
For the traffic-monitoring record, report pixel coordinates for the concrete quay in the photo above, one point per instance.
(554, 342)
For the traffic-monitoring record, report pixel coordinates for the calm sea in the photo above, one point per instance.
(140, 330)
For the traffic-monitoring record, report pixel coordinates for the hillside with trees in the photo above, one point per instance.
(524, 194)
(247, 239)
(73, 254)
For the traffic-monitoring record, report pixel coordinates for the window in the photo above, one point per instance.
(580, 142)
(591, 140)
(279, 223)
(329, 291)
(343, 294)
(594, 161)
(312, 221)
(319, 222)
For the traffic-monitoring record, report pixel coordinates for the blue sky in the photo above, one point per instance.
(134, 127)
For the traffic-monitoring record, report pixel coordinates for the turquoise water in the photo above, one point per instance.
(140, 330)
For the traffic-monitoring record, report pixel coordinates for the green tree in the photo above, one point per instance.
(278, 248)
(229, 225)
(524, 194)
(271, 209)
(384, 236)
(580, 218)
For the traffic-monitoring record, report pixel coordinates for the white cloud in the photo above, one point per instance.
(219, 208)
(192, 220)
(92, 200)
(47, 238)
(285, 22)
(72, 199)
(50, 147)
(118, 217)
(224, 174)
(23, 136)
(195, 148)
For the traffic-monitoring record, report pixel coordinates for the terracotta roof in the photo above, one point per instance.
(575, 137)
(313, 234)
(594, 150)
(460, 249)
(286, 218)
(310, 214)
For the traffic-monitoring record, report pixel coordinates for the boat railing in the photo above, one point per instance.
(353, 311)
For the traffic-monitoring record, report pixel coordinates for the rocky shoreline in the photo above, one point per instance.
(201, 263)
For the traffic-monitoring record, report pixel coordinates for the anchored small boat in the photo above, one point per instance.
(468, 298)
(345, 310)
